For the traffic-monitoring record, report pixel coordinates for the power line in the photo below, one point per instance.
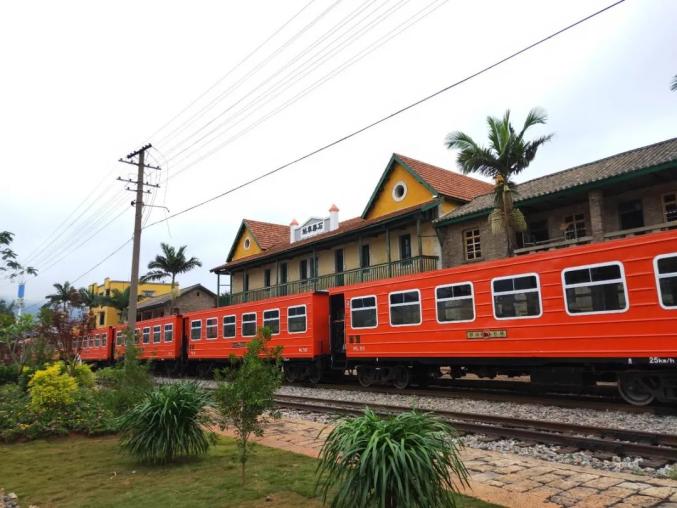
(369, 126)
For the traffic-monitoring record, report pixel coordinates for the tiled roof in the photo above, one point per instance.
(267, 234)
(619, 164)
(346, 226)
(163, 299)
(447, 183)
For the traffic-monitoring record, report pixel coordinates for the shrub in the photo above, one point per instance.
(409, 460)
(51, 388)
(127, 383)
(84, 376)
(168, 423)
(9, 373)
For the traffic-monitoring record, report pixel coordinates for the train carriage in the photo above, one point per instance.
(157, 339)
(568, 316)
(298, 324)
(97, 345)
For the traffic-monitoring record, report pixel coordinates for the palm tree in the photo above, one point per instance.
(674, 84)
(172, 263)
(65, 295)
(119, 300)
(508, 155)
(89, 298)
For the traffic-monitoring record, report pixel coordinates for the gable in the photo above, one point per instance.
(386, 199)
(245, 245)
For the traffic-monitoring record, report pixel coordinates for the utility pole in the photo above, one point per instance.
(138, 205)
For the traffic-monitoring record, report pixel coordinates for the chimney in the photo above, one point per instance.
(293, 226)
(333, 218)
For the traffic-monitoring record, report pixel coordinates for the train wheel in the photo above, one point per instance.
(314, 374)
(366, 376)
(290, 374)
(634, 390)
(401, 377)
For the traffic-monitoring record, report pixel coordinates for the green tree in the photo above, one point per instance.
(65, 295)
(246, 390)
(411, 460)
(89, 298)
(508, 155)
(119, 300)
(8, 258)
(16, 336)
(6, 313)
(171, 263)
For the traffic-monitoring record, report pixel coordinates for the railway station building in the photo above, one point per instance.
(421, 217)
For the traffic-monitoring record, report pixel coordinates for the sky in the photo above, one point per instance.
(226, 91)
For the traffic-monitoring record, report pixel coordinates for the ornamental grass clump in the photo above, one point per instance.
(166, 424)
(410, 460)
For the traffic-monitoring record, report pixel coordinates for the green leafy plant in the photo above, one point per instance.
(410, 460)
(245, 393)
(51, 388)
(84, 376)
(167, 424)
(9, 373)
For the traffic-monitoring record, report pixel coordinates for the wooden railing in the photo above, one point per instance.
(416, 264)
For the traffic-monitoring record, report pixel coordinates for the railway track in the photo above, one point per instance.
(661, 449)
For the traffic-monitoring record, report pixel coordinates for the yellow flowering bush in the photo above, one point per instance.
(84, 376)
(52, 388)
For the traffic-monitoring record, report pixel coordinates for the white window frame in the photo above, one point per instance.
(305, 315)
(465, 244)
(216, 325)
(663, 204)
(279, 319)
(375, 308)
(104, 339)
(170, 327)
(658, 277)
(391, 305)
(517, 276)
(598, 283)
(145, 332)
(118, 337)
(96, 340)
(242, 322)
(471, 298)
(234, 316)
(404, 193)
(159, 334)
(199, 321)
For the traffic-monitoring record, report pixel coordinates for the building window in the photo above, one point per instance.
(212, 328)
(249, 324)
(537, 232)
(296, 319)
(399, 191)
(455, 303)
(303, 269)
(365, 262)
(670, 206)
(666, 278)
(196, 330)
(405, 247)
(271, 319)
(363, 312)
(102, 318)
(157, 334)
(574, 226)
(266, 278)
(516, 297)
(148, 294)
(630, 214)
(146, 335)
(473, 248)
(595, 289)
(405, 308)
(169, 333)
(228, 327)
(245, 282)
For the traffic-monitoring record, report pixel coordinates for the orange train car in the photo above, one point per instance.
(158, 339)
(577, 315)
(298, 324)
(97, 346)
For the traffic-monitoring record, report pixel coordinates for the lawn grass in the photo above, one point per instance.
(92, 472)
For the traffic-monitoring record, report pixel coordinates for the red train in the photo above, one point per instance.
(574, 316)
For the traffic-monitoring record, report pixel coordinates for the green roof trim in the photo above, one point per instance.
(395, 159)
(243, 226)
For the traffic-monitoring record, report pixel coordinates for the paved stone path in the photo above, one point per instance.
(512, 480)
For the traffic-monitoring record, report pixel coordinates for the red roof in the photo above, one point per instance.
(448, 183)
(267, 234)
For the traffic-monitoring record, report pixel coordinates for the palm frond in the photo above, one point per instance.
(674, 84)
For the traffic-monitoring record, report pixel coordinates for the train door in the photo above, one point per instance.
(337, 312)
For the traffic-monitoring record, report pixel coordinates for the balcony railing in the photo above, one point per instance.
(402, 267)
(554, 243)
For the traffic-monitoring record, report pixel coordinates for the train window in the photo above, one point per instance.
(363, 312)
(228, 327)
(455, 303)
(595, 289)
(196, 330)
(156, 334)
(118, 337)
(169, 333)
(212, 328)
(666, 280)
(296, 319)
(271, 319)
(146, 335)
(516, 297)
(104, 339)
(96, 340)
(249, 324)
(405, 308)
